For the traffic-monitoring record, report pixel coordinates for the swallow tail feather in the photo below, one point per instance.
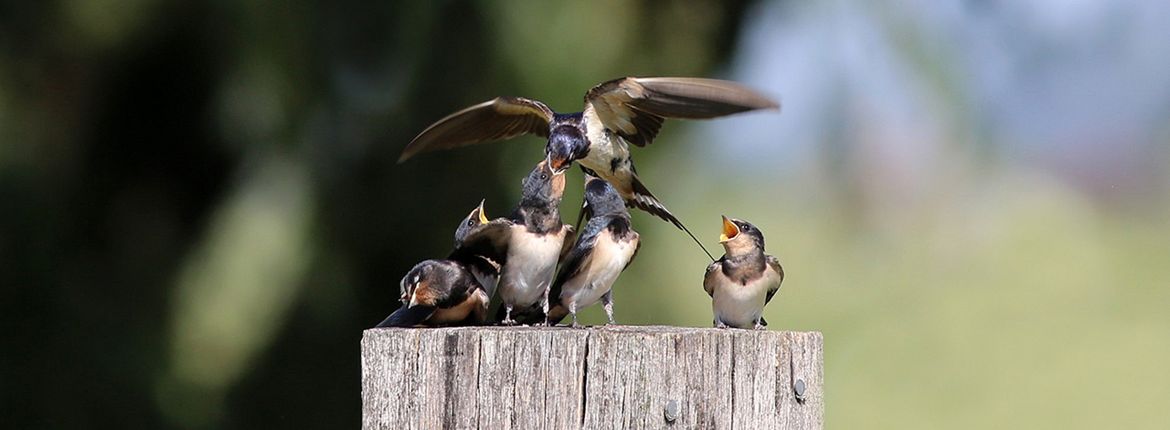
(408, 316)
(643, 199)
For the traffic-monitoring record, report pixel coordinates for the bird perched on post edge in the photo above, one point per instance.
(605, 246)
(744, 280)
(617, 113)
(527, 244)
(439, 293)
(444, 285)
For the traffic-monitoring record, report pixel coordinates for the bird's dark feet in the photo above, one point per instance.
(760, 326)
(720, 324)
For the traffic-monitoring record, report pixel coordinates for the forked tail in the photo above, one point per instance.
(645, 200)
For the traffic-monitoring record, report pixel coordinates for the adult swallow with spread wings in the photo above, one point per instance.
(617, 113)
(744, 280)
(527, 244)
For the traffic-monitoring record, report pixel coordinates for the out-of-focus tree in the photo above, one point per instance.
(201, 206)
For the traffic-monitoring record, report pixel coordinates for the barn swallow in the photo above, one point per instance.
(604, 248)
(485, 269)
(440, 293)
(527, 244)
(617, 113)
(744, 280)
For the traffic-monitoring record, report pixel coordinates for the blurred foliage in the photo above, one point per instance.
(201, 206)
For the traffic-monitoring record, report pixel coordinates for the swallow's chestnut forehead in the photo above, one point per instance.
(424, 294)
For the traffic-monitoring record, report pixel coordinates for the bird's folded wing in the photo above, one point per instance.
(637, 247)
(774, 264)
(570, 239)
(488, 240)
(634, 108)
(712, 277)
(497, 119)
(577, 259)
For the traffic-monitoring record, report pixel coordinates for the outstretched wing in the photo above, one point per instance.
(774, 264)
(711, 277)
(635, 108)
(497, 119)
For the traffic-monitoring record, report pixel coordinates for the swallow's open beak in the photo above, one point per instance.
(730, 230)
(482, 217)
(558, 165)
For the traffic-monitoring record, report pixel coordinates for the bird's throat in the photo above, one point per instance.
(540, 216)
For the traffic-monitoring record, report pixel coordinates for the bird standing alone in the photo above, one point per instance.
(744, 280)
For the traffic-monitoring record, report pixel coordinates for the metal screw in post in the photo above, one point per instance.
(670, 411)
(798, 388)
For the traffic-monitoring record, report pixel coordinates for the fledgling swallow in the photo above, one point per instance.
(527, 244)
(439, 293)
(744, 280)
(617, 113)
(605, 246)
(484, 268)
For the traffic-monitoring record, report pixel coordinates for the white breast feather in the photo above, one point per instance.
(532, 261)
(603, 145)
(609, 258)
(741, 305)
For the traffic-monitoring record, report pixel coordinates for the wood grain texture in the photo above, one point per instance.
(620, 377)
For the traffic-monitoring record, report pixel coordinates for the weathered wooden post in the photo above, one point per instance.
(623, 377)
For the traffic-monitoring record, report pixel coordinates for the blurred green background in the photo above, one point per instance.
(200, 208)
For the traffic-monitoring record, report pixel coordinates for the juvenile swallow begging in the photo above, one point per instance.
(527, 244)
(439, 293)
(604, 248)
(617, 113)
(483, 267)
(744, 280)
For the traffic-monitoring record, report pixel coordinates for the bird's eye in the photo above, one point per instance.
(543, 176)
(470, 222)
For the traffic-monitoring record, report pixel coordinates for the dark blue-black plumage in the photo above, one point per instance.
(605, 246)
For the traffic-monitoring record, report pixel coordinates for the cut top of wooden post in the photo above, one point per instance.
(606, 377)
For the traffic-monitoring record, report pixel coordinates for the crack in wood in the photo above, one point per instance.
(584, 381)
